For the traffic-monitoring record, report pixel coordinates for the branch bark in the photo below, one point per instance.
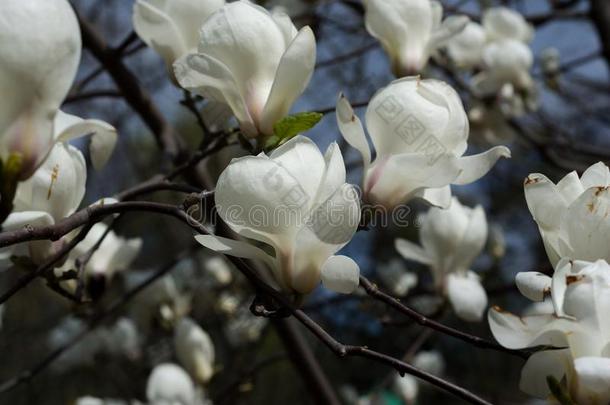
(600, 15)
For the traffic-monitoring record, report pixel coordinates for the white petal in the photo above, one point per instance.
(158, 31)
(352, 130)
(452, 26)
(437, 197)
(413, 115)
(292, 77)
(586, 224)
(334, 176)
(103, 135)
(341, 274)
(194, 350)
(593, 378)
(211, 78)
(465, 48)
(533, 285)
(472, 240)
(570, 187)
(597, 175)
(539, 366)
(411, 251)
(476, 166)
(17, 220)
(400, 177)
(467, 296)
(516, 332)
(234, 248)
(58, 186)
(503, 22)
(168, 383)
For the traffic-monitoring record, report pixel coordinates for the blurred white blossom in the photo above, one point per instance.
(420, 131)
(451, 239)
(254, 61)
(194, 350)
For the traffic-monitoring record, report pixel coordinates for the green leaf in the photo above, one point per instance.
(559, 391)
(290, 126)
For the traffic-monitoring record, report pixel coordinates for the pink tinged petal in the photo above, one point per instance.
(211, 78)
(539, 366)
(291, 78)
(597, 175)
(341, 274)
(593, 379)
(103, 135)
(533, 285)
(352, 130)
(467, 296)
(411, 251)
(476, 166)
(516, 332)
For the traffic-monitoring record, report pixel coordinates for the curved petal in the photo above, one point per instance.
(449, 28)
(544, 201)
(466, 48)
(291, 78)
(334, 175)
(597, 175)
(194, 350)
(352, 130)
(476, 166)
(467, 296)
(539, 366)
(516, 332)
(472, 240)
(436, 197)
(411, 251)
(209, 77)
(503, 22)
(413, 115)
(395, 180)
(58, 186)
(586, 225)
(593, 379)
(533, 285)
(234, 248)
(570, 187)
(341, 274)
(158, 31)
(103, 135)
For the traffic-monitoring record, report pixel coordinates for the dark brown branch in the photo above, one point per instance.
(133, 93)
(600, 15)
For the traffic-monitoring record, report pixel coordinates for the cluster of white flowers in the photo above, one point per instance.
(573, 218)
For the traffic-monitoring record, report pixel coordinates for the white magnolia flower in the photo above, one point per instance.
(410, 30)
(114, 254)
(504, 23)
(254, 61)
(451, 239)
(297, 202)
(219, 269)
(194, 350)
(466, 48)
(37, 67)
(169, 384)
(579, 324)
(507, 61)
(407, 387)
(573, 216)
(88, 400)
(420, 130)
(397, 278)
(243, 327)
(171, 27)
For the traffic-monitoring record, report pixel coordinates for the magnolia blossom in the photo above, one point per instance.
(254, 61)
(243, 328)
(420, 130)
(410, 30)
(194, 350)
(466, 48)
(579, 326)
(504, 23)
(396, 278)
(407, 387)
(171, 27)
(507, 61)
(297, 202)
(451, 239)
(114, 254)
(170, 384)
(37, 67)
(573, 215)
